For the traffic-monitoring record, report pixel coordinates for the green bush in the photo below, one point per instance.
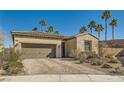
(97, 63)
(15, 67)
(14, 56)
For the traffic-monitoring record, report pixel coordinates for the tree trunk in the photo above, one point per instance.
(112, 32)
(99, 35)
(105, 29)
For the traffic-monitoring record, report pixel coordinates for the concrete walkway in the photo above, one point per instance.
(62, 78)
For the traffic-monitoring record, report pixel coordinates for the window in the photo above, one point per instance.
(88, 45)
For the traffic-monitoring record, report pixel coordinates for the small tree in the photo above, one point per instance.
(83, 29)
(50, 29)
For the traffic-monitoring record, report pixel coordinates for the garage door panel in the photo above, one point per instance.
(38, 51)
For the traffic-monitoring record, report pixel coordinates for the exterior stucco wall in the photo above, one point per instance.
(82, 38)
(70, 47)
(20, 40)
(112, 51)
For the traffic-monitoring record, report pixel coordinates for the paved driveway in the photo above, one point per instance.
(57, 66)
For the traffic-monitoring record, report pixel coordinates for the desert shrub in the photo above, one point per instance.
(14, 68)
(114, 63)
(14, 56)
(82, 56)
(92, 55)
(114, 59)
(96, 62)
(5, 65)
(13, 65)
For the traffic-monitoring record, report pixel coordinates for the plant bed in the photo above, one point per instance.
(12, 66)
(105, 64)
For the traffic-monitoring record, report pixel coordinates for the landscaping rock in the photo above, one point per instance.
(3, 72)
(106, 65)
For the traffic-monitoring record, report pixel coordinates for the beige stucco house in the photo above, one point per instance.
(42, 44)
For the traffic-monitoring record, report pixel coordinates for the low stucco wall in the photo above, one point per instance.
(111, 51)
(20, 40)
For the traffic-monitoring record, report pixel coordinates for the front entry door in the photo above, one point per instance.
(63, 49)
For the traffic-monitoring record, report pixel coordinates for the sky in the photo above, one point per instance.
(67, 22)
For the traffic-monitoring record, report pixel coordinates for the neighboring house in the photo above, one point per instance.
(117, 43)
(42, 44)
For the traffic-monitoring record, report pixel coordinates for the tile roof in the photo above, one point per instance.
(85, 33)
(40, 35)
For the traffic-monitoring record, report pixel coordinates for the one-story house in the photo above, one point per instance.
(36, 44)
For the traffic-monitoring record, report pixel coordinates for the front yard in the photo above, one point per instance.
(86, 63)
(59, 66)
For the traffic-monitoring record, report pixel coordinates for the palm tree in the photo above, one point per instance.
(35, 29)
(92, 25)
(57, 32)
(99, 28)
(83, 29)
(106, 15)
(113, 24)
(42, 23)
(50, 29)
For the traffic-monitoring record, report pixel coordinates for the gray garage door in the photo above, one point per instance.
(38, 51)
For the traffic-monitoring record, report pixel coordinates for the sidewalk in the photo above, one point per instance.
(62, 78)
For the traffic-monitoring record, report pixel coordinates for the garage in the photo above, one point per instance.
(38, 50)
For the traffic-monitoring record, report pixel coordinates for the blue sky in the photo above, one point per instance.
(67, 22)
